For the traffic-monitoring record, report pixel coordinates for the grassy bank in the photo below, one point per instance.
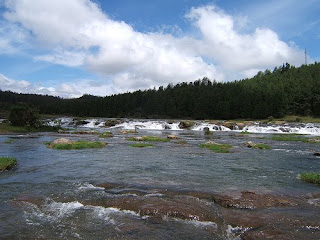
(7, 163)
(8, 128)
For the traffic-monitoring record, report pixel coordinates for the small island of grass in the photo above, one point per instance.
(69, 145)
(310, 177)
(217, 147)
(289, 137)
(7, 163)
(106, 135)
(141, 145)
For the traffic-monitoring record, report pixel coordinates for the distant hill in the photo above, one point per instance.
(286, 90)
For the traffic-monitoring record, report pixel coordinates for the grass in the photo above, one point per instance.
(7, 163)
(310, 177)
(9, 141)
(8, 128)
(106, 135)
(216, 147)
(77, 145)
(141, 145)
(290, 137)
(246, 132)
(149, 139)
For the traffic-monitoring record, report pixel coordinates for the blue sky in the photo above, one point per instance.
(74, 47)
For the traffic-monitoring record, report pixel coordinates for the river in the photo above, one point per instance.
(173, 190)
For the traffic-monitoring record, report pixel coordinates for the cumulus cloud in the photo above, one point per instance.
(240, 52)
(77, 33)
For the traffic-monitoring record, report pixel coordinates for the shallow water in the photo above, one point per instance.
(61, 194)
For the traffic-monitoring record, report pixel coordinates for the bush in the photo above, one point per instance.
(24, 115)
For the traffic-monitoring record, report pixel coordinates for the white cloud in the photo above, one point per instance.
(240, 52)
(77, 33)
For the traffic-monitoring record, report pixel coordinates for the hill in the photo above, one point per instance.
(286, 90)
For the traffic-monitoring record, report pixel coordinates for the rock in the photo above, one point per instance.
(317, 154)
(61, 141)
(173, 137)
(138, 138)
(252, 200)
(250, 144)
(206, 131)
(186, 124)
(314, 140)
(229, 125)
(240, 125)
(113, 122)
(82, 122)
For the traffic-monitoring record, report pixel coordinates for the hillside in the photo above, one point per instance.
(286, 90)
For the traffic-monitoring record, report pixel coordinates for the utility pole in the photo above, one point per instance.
(305, 56)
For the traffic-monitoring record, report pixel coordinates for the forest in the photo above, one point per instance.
(287, 90)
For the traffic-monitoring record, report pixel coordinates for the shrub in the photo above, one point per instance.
(24, 115)
(7, 163)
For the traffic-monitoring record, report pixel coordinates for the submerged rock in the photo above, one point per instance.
(317, 154)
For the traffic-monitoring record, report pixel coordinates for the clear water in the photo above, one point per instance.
(44, 196)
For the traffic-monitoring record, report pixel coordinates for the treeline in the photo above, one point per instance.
(286, 90)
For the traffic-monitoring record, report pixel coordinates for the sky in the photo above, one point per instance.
(68, 48)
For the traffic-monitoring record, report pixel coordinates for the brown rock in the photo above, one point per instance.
(61, 141)
(173, 137)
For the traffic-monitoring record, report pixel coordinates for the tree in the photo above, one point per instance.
(23, 114)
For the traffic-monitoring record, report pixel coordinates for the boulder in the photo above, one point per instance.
(61, 141)
(317, 154)
(249, 144)
(186, 124)
(112, 122)
(314, 140)
(173, 137)
(229, 125)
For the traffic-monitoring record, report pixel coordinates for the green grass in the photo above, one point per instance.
(8, 128)
(141, 145)
(106, 135)
(216, 147)
(7, 163)
(289, 137)
(9, 141)
(245, 132)
(78, 145)
(310, 177)
(149, 139)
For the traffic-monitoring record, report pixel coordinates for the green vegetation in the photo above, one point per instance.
(283, 91)
(295, 138)
(8, 128)
(149, 139)
(216, 147)
(141, 145)
(9, 141)
(310, 177)
(23, 114)
(6, 163)
(106, 135)
(246, 133)
(77, 145)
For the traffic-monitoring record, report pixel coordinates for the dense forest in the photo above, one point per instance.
(286, 90)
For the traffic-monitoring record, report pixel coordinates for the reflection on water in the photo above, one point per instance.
(169, 191)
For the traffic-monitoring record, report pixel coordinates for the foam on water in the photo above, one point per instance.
(211, 127)
(148, 125)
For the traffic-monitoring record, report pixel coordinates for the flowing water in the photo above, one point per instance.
(174, 190)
